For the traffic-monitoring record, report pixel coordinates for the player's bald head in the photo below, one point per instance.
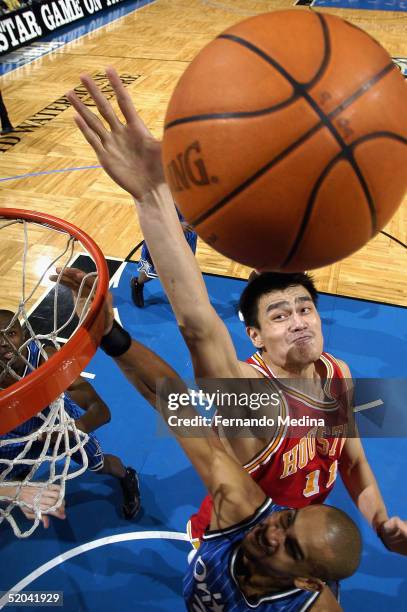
(339, 557)
(5, 317)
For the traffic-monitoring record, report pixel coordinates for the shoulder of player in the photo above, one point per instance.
(248, 371)
(343, 366)
(238, 508)
(326, 602)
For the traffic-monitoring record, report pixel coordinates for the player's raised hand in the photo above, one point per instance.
(393, 534)
(49, 498)
(128, 152)
(74, 279)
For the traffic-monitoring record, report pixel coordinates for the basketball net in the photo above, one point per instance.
(42, 456)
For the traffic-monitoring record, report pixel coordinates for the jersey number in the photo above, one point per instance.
(312, 484)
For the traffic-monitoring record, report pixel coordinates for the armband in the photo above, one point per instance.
(116, 342)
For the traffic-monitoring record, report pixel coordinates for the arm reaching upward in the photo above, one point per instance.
(235, 494)
(132, 158)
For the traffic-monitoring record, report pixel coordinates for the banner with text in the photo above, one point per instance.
(27, 24)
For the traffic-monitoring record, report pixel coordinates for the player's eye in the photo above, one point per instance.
(291, 550)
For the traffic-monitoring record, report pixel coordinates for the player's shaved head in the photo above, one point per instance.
(6, 316)
(341, 554)
(304, 547)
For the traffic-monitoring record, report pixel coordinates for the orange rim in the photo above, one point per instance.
(33, 393)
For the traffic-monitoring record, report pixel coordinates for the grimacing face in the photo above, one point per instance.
(289, 327)
(288, 542)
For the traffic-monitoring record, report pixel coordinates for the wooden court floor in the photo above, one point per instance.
(150, 48)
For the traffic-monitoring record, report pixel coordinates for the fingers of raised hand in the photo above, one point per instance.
(74, 275)
(73, 279)
(89, 119)
(95, 141)
(124, 101)
(103, 106)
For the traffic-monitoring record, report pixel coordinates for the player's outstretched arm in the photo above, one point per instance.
(96, 412)
(132, 157)
(362, 486)
(361, 483)
(235, 494)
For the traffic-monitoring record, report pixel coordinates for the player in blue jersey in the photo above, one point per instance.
(82, 403)
(257, 554)
(146, 267)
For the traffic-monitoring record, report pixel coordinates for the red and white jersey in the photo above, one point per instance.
(297, 471)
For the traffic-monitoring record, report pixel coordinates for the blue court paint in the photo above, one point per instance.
(21, 176)
(145, 575)
(371, 5)
(51, 42)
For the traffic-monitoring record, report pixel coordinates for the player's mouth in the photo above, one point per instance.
(305, 339)
(6, 356)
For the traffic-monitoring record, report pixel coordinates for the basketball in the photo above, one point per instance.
(285, 140)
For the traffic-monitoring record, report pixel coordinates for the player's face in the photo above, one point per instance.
(14, 337)
(287, 543)
(289, 327)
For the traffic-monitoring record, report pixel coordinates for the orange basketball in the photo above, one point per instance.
(285, 140)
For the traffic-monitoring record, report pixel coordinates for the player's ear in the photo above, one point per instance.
(255, 336)
(309, 584)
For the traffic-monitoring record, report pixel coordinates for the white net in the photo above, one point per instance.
(48, 448)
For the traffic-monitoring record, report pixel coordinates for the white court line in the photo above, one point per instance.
(71, 265)
(88, 375)
(115, 280)
(117, 316)
(378, 402)
(79, 550)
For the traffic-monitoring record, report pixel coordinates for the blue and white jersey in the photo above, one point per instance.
(12, 449)
(145, 263)
(33, 358)
(211, 583)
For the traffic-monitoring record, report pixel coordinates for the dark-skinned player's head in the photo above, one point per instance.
(281, 317)
(304, 547)
(11, 340)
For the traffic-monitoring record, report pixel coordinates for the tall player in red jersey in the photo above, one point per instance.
(294, 470)
(286, 327)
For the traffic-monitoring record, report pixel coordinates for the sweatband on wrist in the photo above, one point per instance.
(116, 342)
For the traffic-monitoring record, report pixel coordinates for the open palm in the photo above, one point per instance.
(128, 152)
